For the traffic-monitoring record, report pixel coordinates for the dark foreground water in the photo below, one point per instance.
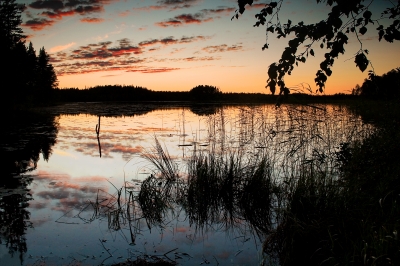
(61, 201)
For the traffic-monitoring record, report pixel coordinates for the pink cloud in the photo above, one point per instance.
(92, 20)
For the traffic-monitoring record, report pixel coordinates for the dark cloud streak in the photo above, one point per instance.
(38, 24)
(58, 9)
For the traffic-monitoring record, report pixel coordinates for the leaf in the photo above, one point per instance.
(363, 30)
(337, 23)
(361, 61)
(367, 14)
(381, 33)
(312, 52)
(272, 85)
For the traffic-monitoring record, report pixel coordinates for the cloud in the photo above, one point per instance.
(74, 69)
(172, 40)
(61, 47)
(222, 48)
(165, 41)
(178, 4)
(124, 13)
(37, 205)
(58, 9)
(169, 4)
(153, 70)
(149, 8)
(81, 10)
(58, 14)
(123, 149)
(38, 24)
(205, 15)
(122, 55)
(103, 50)
(53, 194)
(177, 50)
(184, 19)
(88, 9)
(204, 58)
(185, 39)
(92, 20)
(66, 192)
(49, 4)
(220, 10)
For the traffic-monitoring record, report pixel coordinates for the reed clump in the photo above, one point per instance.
(221, 190)
(319, 187)
(351, 218)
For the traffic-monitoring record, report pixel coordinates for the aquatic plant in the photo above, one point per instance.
(314, 190)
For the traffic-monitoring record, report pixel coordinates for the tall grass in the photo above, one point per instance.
(315, 184)
(285, 175)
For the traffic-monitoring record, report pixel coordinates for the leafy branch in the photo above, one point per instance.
(332, 33)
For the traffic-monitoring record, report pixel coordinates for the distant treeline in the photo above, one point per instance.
(201, 93)
(385, 87)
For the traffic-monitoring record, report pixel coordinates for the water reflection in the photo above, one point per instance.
(99, 194)
(204, 109)
(23, 138)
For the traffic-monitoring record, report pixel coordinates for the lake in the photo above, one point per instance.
(100, 183)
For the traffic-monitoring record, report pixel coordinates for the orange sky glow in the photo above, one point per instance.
(174, 45)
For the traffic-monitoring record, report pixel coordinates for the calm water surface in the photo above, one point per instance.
(49, 216)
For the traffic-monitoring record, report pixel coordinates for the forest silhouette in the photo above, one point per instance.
(28, 77)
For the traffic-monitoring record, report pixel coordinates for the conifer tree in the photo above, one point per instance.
(31, 64)
(46, 76)
(10, 21)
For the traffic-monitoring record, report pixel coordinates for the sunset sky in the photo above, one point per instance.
(174, 45)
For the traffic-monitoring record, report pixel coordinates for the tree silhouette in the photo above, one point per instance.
(205, 92)
(10, 32)
(386, 86)
(346, 17)
(31, 65)
(46, 76)
(25, 76)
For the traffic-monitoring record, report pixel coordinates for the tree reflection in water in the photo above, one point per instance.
(23, 138)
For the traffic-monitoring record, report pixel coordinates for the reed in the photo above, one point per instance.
(316, 185)
(290, 179)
